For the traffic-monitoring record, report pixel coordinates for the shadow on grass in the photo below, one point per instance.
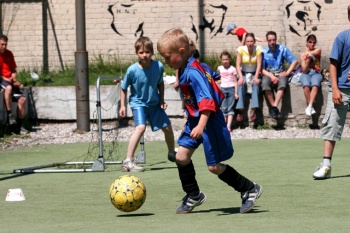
(134, 215)
(344, 176)
(12, 176)
(231, 210)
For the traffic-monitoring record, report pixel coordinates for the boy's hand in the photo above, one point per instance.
(197, 132)
(337, 97)
(122, 112)
(163, 106)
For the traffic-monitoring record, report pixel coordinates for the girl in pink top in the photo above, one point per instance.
(228, 82)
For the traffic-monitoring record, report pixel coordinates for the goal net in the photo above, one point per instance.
(104, 148)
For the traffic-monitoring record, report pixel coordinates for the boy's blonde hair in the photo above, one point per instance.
(143, 42)
(173, 39)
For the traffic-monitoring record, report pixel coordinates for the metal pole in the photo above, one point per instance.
(81, 70)
(45, 40)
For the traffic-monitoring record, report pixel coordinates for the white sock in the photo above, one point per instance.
(326, 161)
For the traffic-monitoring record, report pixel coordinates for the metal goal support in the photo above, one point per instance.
(99, 164)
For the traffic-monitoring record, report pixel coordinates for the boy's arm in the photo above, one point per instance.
(336, 94)
(122, 108)
(163, 105)
(197, 131)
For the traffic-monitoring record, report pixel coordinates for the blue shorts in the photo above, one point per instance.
(216, 139)
(156, 116)
(312, 78)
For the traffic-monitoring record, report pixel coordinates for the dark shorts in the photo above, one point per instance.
(216, 139)
(16, 91)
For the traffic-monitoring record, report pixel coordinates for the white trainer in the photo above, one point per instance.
(131, 166)
(322, 172)
(312, 111)
(308, 111)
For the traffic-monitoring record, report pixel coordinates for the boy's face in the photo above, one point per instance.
(172, 58)
(144, 55)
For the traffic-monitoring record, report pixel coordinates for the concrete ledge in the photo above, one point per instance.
(59, 104)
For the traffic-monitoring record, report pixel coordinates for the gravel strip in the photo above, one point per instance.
(63, 133)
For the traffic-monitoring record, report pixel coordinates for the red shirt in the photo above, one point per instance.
(240, 32)
(7, 64)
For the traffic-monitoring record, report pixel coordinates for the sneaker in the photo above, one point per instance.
(249, 198)
(308, 111)
(252, 115)
(172, 156)
(24, 130)
(131, 166)
(239, 117)
(188, 203)
(274, 113)
(312, 111)
(322, 172)
(12, 119)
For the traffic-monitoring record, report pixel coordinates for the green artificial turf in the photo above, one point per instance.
(78, 202)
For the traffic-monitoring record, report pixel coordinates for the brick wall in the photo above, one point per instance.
(22, 22)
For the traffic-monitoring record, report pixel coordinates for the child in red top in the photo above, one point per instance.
(240, 32)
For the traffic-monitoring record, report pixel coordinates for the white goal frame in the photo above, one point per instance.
(99, 164)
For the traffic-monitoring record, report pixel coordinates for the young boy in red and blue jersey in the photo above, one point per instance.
(205, 125)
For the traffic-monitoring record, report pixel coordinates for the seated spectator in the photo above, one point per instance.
(12, 88)
(311, 77)
(248, 65)
(228, 85)
(275, 77)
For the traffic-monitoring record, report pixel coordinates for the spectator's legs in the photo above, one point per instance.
(313, 94)
(21, 105)
(307, 93)
(279, 95)
(8, 97)
(269, 97)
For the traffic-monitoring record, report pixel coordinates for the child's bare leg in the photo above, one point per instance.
(183, 156)
(169, 137)
(134, 140)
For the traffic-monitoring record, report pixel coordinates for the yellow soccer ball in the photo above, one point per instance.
(127, 193)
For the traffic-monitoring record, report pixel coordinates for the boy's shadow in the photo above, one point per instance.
(230, 210)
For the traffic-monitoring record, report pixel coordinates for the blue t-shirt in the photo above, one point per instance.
(273, 61)
(143, 84)
(341, 53)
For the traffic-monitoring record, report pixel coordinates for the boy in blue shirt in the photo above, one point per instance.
(338, 100)
(205, 125)
(145, 79)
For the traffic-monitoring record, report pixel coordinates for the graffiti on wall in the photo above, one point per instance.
(304, 16)
(125, 9)
(212, 19)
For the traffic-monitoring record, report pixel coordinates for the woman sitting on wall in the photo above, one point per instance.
(248, 65)
(311, 77)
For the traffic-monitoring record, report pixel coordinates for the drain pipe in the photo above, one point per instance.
(81, 69)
